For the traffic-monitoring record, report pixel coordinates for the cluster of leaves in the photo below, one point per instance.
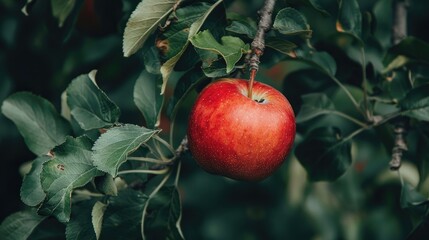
(82, 165)
(392, 87)
(77, 168)
(106, 179)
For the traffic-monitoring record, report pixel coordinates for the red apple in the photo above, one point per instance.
(239, 137)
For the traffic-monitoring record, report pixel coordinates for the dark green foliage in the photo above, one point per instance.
(106, 164)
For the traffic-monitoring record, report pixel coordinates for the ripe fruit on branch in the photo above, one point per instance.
(238, 137)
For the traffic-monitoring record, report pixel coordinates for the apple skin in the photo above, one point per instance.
(234, 136)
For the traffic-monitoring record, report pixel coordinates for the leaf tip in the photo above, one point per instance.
(339, 27)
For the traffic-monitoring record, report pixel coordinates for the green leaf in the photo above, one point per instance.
(326, 61)
(185, 84)
(70, 168)
(397, 62)
(315, 5)
(410, 197)
(20, 225)
(421, 230)
(324, 154)
(31, 189)
(230, 48)
(123, 215)
(313, 105)
(80, 225)
(112, 148)
(61, 9)
(37, 121)
(168, 66)
(151, 59)
(280, 45)
(164, 220)
(216, 69)
(106, 185)
(27, 5)
(416, 103)
(97, 217)
(242, 25)
(148, 99)
(349, 18)
(291, 22)
(409, 49)
(89, 105)
(176, 35)
(321, 60)
(145, 19)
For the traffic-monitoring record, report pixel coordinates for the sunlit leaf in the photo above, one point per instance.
(408, 50)
(349, 18)
(416, 103)
(145, 19)
(97, 217)
(168, 66)
(31, 188)
(397, 62)
(123, 214)
(113, 147)
(291, 22)
(89, 105)
(70, 168)
(230, 48)
(37, 120)
(20, 225)
(176, 34)
(313, 105)
(26, 6)
(324, 154)
(148, 98)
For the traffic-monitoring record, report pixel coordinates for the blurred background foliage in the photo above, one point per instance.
(365, 203)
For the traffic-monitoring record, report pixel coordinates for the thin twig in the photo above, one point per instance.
(399, 32)
(350, 118)
(165, 143)
(145, 171)
(258, 43)
(400, 146)
(153, 193)
(149, 160)
(399, 29)
(347, 92)
(182, 148)
(367, 114)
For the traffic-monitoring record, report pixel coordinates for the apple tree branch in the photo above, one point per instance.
(399, 32)
(258, 43)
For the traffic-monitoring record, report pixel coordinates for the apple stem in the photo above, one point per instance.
(251, 81)
(258, 43)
